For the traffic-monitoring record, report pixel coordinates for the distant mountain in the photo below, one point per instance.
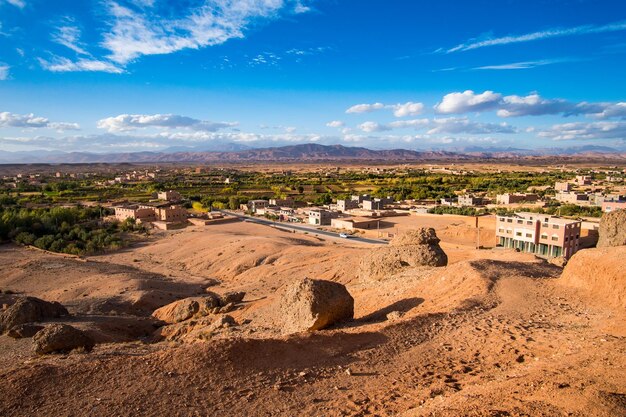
(311, 152)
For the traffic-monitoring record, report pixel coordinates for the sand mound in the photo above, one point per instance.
(412, 248)
(612, 229)
(601, 273)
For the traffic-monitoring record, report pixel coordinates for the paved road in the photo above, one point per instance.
(302, 228)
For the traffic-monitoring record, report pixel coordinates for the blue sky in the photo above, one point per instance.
(134, 75)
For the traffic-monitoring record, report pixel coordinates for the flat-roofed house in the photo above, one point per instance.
(541, 234)
(136, 212)
(170, 195)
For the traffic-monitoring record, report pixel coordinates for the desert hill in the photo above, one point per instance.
(494, 332)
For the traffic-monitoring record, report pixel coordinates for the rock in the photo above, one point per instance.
(411, 249)
(227, 308)
(612, 229)
(309, 304)
(223, 322)
(422, 236)
(558, 261)
(61, 338)
(232, 297)
(394, 315)
(187, 308)
(30, 310)
(22, 331)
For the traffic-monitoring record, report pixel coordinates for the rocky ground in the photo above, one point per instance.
(493, 333)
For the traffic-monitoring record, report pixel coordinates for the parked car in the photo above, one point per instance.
(344, 235)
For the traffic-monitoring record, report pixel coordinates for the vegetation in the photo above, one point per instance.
(77, 230)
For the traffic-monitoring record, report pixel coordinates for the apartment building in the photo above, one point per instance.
(570, 197)
(541, 234)
(562, 186)
(144, 213)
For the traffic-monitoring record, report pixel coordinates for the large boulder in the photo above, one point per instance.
(311, 304)
(612, 229)
(22, 331)
(61, 338)
(599, 272)
(30, 310)
(187, 308)
(413, 248)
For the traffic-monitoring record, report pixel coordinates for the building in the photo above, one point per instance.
(352, 223)
(321, 217)
(136, 212)
(171, 214)
(562, 186)
(170, 195)
(448, 201)
(582, 180)
(285, 202)
(254, 205)
(345, 205)
(612, 205)
(569, 197)
(377, 203)
(470, 200)
(541, 234)
(516, 198)
(360, 198)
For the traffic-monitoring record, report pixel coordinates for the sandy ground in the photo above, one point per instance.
(495, 333)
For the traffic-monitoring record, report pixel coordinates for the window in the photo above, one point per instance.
(556, 226)
(509, 220)
(566, 238)
(529, 235)
(544, 225)
(501, 219)
(544, 236)
(500, 230)
(529, 222)
(555, 238)
(518, 233)
(520, 222)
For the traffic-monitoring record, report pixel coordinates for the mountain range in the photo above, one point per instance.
(313, 153)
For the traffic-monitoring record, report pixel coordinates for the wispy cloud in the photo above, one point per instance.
(525, 64)
(17, 3)
(4, 71)
(60, 64)
(69, 36)
(539, 35)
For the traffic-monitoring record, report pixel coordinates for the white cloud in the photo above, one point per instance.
(30, 121)
(300, 8)
(581, 130)
(133, 34)
(612, 110)
(69, 36)
(535, 105)
(4, 71)
(452, 125)
(365, 108)
(17, 3)
(408, 109)
(60, 64)
(335, 123)
(415, 123)
(468, 101)
(545, 34)
(524, 64)
(128, 122)
(370, 127)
